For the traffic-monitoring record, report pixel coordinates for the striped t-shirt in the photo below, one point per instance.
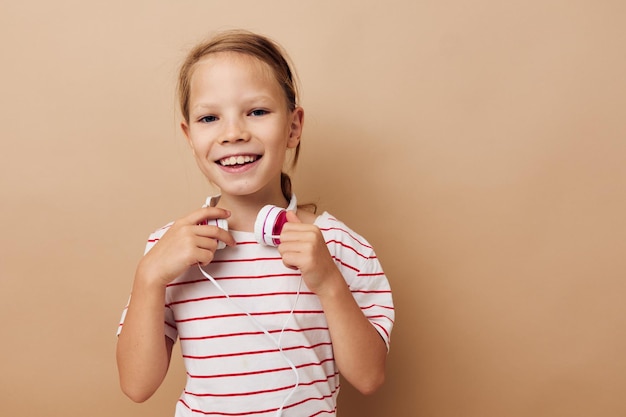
(231, 345)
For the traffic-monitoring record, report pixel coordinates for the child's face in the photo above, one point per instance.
(239, 125)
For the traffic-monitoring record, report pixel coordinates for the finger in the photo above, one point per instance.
(215, 233)
(205, 213)
(225, 237)
(289, 260)
(299, 232)
(293, 217)
(207, 247)
(204, 257)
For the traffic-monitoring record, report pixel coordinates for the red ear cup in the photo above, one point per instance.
(268, 225)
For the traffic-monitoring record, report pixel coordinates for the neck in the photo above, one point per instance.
(244, 209)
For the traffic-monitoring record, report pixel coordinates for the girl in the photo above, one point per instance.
(267, 323)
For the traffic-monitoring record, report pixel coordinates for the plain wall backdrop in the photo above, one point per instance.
(480, 147)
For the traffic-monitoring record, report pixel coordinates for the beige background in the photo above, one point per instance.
(480, 146)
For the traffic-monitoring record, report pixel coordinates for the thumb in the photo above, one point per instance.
(292, 217)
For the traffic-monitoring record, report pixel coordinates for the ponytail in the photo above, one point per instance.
(285, 185)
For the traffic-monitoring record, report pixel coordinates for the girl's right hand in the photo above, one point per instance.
(187, 242)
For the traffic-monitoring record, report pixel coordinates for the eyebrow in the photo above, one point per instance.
(207, 105)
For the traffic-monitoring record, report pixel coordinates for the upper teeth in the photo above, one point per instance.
(237, 160)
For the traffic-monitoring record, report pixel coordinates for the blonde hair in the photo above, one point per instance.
(257, 46)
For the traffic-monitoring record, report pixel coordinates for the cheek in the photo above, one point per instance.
(280, 135)
(199, 143)
(194, 148)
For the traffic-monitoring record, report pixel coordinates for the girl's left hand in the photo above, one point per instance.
(302, 246)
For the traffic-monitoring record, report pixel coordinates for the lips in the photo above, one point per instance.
(237, 160)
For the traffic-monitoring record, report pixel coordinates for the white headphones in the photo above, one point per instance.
(267, 226)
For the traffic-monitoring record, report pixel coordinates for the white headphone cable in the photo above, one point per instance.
(260, 326)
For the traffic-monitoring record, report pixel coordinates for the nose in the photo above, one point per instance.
(236, 131)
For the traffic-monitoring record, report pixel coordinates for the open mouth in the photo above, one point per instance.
(238, 160)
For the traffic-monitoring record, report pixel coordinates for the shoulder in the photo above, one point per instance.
(353, 254)
(156, 236)
(337, 231)
(161, 231)
(307, 216)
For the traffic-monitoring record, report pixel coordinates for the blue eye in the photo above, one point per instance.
(258, 112)
(207, 119)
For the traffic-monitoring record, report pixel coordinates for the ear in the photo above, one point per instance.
(296, 126)
(185, 128)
